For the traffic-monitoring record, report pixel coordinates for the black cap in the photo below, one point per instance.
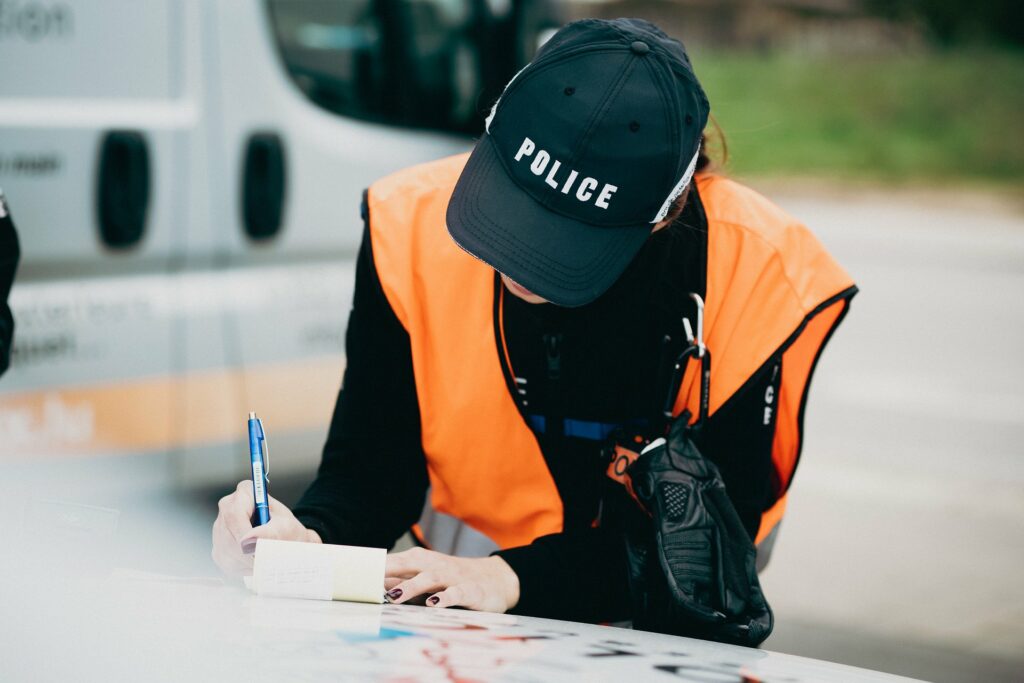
(585, 150)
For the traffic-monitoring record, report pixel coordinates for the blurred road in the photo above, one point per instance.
(904, 541)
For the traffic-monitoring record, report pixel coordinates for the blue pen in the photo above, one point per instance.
(259, 458)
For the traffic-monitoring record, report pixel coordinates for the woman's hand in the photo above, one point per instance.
(234, 537)
(486, 584)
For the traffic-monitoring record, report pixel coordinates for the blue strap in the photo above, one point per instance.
(585, 429)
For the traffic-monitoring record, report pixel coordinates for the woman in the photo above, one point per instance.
(493, 364)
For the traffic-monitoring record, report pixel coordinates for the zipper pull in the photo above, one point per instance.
(552, 346)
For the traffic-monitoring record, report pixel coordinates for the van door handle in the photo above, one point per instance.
(263, 185)
(123, 188)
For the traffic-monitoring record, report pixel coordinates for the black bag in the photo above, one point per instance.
(692, 566)
(691, 563)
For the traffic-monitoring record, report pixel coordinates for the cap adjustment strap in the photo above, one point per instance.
(678, 189)
(494, 107)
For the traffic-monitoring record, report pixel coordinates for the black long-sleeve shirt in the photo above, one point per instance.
(602, 363)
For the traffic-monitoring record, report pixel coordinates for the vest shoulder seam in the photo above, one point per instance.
(776, 255)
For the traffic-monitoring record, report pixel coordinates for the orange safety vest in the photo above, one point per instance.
(771, 286)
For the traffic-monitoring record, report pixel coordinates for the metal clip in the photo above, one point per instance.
(695, 349)
(265, 450)
(701, 349)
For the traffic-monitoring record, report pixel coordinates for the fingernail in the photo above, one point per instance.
(433, 600)
(394, 593)
(249, 546)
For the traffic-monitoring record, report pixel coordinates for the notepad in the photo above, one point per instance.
(293, 569)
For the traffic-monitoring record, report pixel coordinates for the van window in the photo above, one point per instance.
(420, 63)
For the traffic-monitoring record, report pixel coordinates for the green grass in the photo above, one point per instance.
(931, 117)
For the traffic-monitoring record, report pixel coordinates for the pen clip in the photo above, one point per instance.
(264, 450)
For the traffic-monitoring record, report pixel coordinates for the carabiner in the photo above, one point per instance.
(696, 349)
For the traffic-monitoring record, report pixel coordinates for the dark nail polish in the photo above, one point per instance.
(394, 593)
(249, 546)
(433, 600)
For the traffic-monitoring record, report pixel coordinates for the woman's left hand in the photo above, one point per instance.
(486, 584)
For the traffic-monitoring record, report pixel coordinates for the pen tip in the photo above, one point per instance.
(252, 415)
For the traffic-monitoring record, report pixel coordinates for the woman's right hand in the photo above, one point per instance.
(234, 537)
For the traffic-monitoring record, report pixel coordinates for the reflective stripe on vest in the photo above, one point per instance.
(771, 287)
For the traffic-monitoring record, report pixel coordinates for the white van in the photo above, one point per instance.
(186, 179)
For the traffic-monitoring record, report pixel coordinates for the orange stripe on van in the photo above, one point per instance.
(168, 412)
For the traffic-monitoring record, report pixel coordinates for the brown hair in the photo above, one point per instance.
(714, 152)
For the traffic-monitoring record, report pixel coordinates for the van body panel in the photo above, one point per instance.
(165, 344)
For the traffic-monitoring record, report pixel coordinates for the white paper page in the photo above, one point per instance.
(322, 572)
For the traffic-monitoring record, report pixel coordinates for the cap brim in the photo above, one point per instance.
(567, 262)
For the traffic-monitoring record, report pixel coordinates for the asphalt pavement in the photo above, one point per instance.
(903, 544)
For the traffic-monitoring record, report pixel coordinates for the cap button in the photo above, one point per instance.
(640, 47)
